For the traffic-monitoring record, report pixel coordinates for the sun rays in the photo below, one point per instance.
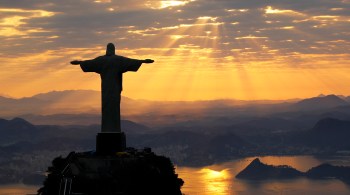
(202, 50)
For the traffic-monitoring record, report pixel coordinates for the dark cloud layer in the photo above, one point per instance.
(253, 27)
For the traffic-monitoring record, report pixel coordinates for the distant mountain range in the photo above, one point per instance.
(185, 145)
(190, 133)
(52, 103)
(77, 107)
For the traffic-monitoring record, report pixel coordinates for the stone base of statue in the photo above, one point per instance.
(132, 172)
(109, 143)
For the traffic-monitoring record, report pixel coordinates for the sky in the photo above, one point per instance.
(203, 49)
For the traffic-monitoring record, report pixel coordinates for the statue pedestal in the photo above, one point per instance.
(108, 143)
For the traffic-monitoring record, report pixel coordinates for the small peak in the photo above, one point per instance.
(331, 96)
(17, 119)
(256, 161)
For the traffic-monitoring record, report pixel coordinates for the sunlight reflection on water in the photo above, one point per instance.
(217, 182)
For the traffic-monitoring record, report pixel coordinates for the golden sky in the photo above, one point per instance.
(204, 49)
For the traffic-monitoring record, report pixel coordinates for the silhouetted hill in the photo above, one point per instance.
(329, 132)
(256, 170)
(15, 130)
(15, 123)
(332, 124)
(321, 102)
(326, 171)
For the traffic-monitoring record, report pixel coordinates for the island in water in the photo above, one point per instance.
(257, 170)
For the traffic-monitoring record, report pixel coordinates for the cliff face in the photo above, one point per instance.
(126, 173)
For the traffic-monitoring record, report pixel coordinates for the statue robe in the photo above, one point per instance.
(111, 69)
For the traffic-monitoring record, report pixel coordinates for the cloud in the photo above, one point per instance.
(221, 26)
(90, 23)
(218, 35)
(12, 20)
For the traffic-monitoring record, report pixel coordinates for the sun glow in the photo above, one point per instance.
(271, 10)
(167, 4)
(217, 182)
(212, 174)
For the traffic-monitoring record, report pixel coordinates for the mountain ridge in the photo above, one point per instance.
(321, 102)
(89, 101)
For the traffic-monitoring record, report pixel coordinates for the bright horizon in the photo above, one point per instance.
(203, 50)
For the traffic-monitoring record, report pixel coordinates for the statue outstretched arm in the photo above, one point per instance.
(88, 65)
(128, 64)
(147, 61)
(75, 62)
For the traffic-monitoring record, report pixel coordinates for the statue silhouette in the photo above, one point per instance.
(111, 68)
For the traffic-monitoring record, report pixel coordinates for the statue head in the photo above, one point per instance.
(110, 49)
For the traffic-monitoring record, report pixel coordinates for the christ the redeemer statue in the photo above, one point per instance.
(111, 68)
